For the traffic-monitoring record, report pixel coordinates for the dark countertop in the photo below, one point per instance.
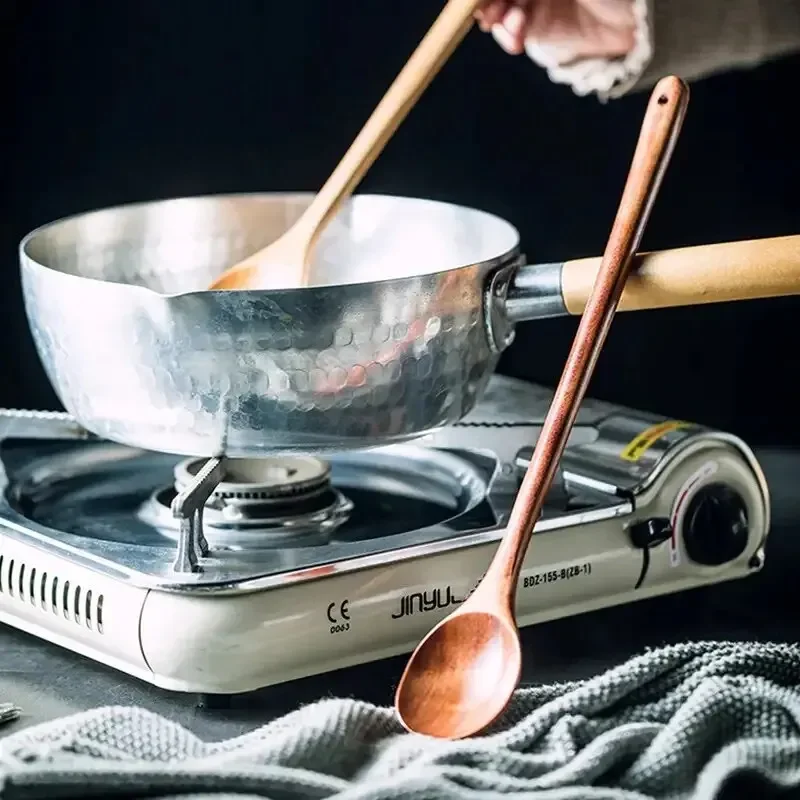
(48, 682)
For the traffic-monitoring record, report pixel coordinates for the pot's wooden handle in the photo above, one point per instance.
(690, 276)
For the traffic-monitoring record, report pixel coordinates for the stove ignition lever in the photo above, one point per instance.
(645, 534)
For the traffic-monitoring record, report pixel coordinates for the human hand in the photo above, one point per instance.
(571, 29)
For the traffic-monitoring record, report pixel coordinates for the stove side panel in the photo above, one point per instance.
(71, 606)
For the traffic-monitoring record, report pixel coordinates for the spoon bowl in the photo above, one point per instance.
(467, 699)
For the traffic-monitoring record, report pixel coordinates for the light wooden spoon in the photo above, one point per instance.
(462, 676)
(286, 262)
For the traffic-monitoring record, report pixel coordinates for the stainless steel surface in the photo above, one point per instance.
(534, 292)
(392, 339)
(54, 494)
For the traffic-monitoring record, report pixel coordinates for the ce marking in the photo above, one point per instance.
(343, 608)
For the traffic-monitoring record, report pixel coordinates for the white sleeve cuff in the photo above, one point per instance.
(607, 78)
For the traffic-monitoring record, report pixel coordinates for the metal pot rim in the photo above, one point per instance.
(504, 231)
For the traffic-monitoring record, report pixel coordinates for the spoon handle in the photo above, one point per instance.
(659, 133)
(450, 27)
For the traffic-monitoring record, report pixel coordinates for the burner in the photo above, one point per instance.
(259, 503)
(263, 480)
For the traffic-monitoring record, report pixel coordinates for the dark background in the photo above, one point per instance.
(113, 102)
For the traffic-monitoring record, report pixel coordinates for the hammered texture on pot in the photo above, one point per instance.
(388, 342)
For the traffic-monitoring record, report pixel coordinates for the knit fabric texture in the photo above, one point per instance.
(685, 721)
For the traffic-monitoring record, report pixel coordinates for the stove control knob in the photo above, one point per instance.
(715, 528)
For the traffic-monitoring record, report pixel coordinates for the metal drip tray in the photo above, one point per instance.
(113, 500)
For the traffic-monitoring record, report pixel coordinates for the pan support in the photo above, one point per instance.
(187, 507)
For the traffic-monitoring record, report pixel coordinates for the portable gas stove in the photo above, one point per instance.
(220, 577)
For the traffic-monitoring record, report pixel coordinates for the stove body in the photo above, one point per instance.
(224, 577)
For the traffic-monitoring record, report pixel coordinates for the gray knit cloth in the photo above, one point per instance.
(686, 721)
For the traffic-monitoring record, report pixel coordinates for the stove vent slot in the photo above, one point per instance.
(50, 594)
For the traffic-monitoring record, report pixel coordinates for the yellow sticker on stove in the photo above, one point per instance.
(637, 447)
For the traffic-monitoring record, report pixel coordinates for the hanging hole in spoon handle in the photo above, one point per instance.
(463, 674)
(657, 138)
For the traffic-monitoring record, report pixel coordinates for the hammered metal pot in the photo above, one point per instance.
(391, 340)
(410, 305)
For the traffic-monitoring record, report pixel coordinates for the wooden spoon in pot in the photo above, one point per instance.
(462, 676)
(285, 262)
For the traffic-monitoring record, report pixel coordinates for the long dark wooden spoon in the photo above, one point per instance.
(463, 674)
